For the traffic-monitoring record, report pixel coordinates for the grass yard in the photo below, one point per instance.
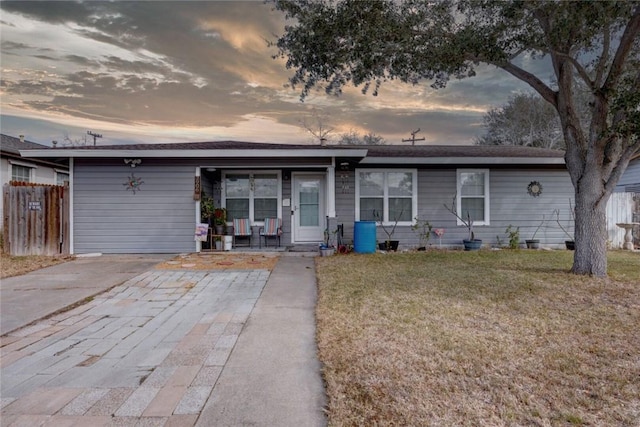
(479, 339)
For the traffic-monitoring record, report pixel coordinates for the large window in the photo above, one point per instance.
(20, 173)
(473, 195)
(389, 196)
(252, 195)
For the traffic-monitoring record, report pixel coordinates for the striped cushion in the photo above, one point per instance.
(242, 227)
(271, 227)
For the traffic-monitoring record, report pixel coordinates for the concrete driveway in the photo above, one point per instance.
(26, 298)
(172, 348)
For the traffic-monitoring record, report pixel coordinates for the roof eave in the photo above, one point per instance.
(186, 153)
(462, 160)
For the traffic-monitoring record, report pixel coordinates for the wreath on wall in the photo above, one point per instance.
(534, 189)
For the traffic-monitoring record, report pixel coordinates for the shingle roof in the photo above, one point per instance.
(460, 151)
(13, 145)
(373, 150)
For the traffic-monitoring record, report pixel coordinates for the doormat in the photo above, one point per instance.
(221, 262)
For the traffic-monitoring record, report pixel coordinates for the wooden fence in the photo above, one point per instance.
(622, 207)
(36, 219)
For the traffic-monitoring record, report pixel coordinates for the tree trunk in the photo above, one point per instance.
(590, 255)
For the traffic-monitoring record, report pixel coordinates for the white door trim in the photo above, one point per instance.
(295, 236)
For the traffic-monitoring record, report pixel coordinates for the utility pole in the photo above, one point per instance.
(94, 135)
(413, 137)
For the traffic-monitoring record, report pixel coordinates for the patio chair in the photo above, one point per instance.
(242, 229)
(272, 228)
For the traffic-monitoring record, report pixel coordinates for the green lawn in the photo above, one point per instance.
(481, 338)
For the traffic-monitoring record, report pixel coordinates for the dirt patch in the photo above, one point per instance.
(221, 261)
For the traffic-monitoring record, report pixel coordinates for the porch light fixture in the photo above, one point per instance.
(132, 162)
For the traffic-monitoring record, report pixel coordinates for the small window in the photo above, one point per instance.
(389, 196)
(20, 173)
(473, 195)
(61, 178)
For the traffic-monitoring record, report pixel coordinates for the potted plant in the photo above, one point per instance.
(206, 209)
(470, 244)
(389, 244)
(569, 244)
(534, 243)
(220, 218)
(423, 228)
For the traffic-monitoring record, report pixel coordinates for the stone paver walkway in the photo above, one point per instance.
(146, 353)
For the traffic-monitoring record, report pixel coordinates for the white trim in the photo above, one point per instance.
(414, 195)
(330, 191)
(306, 174)
(19, 163)
(463, 160)
(71, 206)
(487, 195)
(198, 219)
(196, 153)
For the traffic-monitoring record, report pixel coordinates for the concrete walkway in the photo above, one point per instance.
(173, 348)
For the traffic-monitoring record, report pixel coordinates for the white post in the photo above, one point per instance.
(331, 189)
(197, 212)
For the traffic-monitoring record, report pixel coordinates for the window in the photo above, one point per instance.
(473, 195)
(252, 195)
(20, 173)
(61, 177)
(389, 196)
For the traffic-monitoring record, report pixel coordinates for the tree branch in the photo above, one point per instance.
(604, 58)
(625, 46)
(533, 81)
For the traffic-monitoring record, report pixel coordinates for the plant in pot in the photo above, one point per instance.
(534, 243)
(470, 244)
(389, 244)
(220, 218)
(327, 248)
(423, 228)
(206, 209)
(569, 244)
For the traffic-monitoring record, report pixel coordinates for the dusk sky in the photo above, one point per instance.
(155, 71)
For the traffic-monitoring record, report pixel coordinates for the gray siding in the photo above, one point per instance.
(630, 178)
(509, 203)
(108, 218)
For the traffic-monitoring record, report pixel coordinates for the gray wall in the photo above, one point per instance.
(630, 178)
(108, 218)
(509, 201)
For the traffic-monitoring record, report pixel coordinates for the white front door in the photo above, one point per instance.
(308, 207)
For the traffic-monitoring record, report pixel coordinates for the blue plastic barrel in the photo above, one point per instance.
(364, 237)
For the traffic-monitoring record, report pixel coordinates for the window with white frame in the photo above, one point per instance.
(252, 195)
(387, 195)
(21, 173)
(473, 195)
(61, 177)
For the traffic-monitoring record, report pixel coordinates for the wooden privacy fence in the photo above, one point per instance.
(36, 219)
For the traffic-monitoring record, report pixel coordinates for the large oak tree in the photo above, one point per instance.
(366, 43)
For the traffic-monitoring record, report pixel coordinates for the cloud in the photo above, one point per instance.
(174, 70)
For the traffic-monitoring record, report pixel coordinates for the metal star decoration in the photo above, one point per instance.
(133, 183)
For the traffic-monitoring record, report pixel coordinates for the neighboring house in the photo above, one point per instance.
(142, 198)
(14, 167)
(630, 180)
